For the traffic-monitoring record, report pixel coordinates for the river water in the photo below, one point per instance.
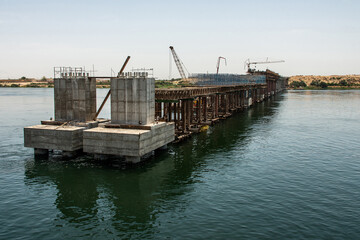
(288, 168)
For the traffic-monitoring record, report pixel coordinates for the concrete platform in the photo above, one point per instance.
(131, 143)
(65, 138)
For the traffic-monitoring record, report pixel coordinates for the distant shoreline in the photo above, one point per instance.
(32, 83)
(300, 82)
(336, 82)
(327, 88)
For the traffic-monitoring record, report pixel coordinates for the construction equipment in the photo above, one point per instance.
(108, 94)
(248, 63)
(178, 63)
(218, 64)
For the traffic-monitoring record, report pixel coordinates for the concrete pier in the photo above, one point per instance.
(133, 101)
(75, 99)
(132, 132)
(75, 108)
(67, 138)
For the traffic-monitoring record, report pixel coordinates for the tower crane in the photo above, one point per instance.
(248, 63)
(218, 64)
(180, 66)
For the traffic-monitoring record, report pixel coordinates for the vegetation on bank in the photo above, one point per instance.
(46, 83)
(295, 82)
(317, 84)
(325, 82)
(30, 85)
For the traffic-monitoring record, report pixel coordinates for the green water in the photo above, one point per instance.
(288, 168)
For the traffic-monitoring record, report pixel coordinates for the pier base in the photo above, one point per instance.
(132, 159)
(67, 138)
(70, 154)
(40, 153)
(131, 143)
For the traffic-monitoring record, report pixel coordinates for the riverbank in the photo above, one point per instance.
(49, 83)
(337, 82)
(330, 80)
(326, 88)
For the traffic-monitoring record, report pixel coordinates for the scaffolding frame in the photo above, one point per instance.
(227, 79)
(70, 72)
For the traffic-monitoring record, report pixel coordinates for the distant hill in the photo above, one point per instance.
(350, 79)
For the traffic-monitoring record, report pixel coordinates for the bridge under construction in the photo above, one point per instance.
(143, 118)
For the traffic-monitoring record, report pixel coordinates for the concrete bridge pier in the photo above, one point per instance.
(133, 132)
(75, 108)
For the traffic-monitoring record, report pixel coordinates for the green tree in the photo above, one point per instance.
(343, 83)
(315, 83)
(323, 84)
(297, 84)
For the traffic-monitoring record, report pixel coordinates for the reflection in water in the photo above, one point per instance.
(95, 196)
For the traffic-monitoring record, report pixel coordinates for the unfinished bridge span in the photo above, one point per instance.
(214, 97)
(143, 118)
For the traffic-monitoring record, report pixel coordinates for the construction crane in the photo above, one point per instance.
(248, 63)
(178, 63)
(218, 64)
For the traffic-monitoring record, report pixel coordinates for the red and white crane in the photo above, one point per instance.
(218, 64)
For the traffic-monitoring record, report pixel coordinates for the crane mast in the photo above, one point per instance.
(178, 63)
(218, 64)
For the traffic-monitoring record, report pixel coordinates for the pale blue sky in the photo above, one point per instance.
(313, 37)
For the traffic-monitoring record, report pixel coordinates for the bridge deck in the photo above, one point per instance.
(192, 92)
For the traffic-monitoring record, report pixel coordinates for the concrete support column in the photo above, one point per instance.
(216, 105)
(226, 103)
(75, 99)
(213, 99)
(240, 99)
(41, 153)
(165, 111)
(157, 110)
(198, 113)
(205, 108)
(169, 116)
(230, 100)
(236, 97)
(175, 115)
(188, 114)
(233, 100)
(191, 105)
(244, 98)
(183, 113)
